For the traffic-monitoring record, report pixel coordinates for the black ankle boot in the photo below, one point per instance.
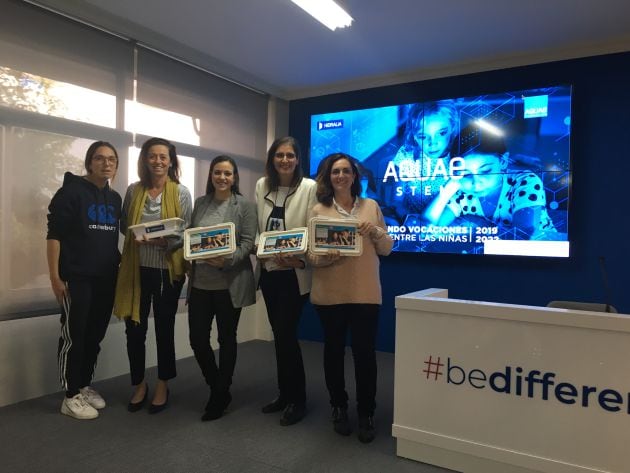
(293, 414)
(216, 405)
(341, 423)
(209, 403)
(366, 429)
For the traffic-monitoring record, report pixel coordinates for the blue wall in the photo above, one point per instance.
(600, 195)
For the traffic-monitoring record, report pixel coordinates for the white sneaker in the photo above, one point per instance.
(93, 398)
(78, 408)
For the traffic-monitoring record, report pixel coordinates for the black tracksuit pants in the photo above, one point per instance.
(85, 316)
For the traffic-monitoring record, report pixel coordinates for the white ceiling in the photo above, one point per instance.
(274, 46)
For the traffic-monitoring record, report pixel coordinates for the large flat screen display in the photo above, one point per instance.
(485, 174)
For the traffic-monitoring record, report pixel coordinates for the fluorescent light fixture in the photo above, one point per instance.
(326, 12)
(489, 127)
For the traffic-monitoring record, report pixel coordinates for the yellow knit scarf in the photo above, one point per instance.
(127, 300)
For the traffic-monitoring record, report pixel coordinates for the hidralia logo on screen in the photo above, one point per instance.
(518, 381)
(329, 124)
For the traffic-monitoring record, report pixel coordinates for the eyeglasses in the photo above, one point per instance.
(289, 156)
(104, 159)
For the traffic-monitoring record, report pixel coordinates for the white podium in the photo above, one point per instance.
(497, 388)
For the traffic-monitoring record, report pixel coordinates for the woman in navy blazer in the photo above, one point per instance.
(221, 286)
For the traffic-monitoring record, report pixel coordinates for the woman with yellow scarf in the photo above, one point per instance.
(152, 271)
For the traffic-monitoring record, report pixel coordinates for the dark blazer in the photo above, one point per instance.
(238, 267)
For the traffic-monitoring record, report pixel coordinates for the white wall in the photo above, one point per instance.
(28, 350)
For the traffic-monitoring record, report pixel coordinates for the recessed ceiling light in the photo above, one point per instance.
(326, 12)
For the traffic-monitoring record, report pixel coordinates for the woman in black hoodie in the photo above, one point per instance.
(83, 257)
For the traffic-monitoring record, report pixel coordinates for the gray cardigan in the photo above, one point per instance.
(238, 268)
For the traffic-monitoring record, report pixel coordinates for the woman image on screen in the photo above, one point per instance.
(346, 292)
(430, 131)
(488, 189)
(222, 285)
(282, 244)
(344, 238)
(333, 238)
(284, 198)
(152, 271)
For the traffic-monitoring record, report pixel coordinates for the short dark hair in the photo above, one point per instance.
(325, 192)
(143, 171)
(91, 151)
(222, 159)
(273, 179)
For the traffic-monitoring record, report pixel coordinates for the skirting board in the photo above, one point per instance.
(469, 457)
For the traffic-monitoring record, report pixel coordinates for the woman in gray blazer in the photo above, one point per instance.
(221, 286)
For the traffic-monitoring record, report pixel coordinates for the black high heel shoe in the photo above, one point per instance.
(155, 408)
(276, 405)
(136, 406)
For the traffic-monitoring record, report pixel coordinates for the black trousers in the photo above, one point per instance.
(84, 320)
(284, 306)
(362, 322)
(157, 290)
(203, 306)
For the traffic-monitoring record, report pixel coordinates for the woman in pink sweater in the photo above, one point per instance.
(346, 292)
